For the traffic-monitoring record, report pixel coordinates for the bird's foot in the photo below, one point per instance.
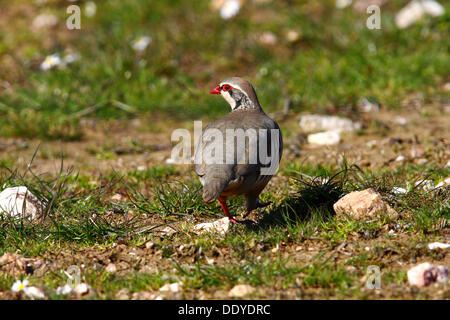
(232, 220)
(223, 203)
(260, 204)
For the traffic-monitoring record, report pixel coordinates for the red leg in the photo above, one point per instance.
(223, 203)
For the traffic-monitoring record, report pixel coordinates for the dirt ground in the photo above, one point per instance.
(421, 137)
(128, 145)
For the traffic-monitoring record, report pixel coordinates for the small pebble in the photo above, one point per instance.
(438, 245)
(111, 268)
(426, 273)
(241, 290)
(171, 287)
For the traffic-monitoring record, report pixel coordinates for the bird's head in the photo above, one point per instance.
(239, 93)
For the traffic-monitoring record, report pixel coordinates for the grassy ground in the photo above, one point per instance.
(91, 140)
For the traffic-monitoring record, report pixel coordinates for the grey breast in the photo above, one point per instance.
(243, 173)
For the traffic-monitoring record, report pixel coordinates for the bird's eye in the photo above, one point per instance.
(226, 87)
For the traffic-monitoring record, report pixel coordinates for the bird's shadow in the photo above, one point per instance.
(313, 197)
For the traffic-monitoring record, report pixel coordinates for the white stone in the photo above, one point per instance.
(143, 295)
(241, 290)
(417, 152)
(111, 268)
(171, 287)
(71, 58)
(167, 232)
(82, 289)
(149, 245)
(401, 121)
(268, 39)
(220, 226)
(44, 20)
(372, 143)
(90, 9)
(117, 197)
(64, 290)
(447, 86)
(179, 160)
(425, 185)
(438, 245)
(34, 293)
(367, 106)
(327, 138)
(292, 36)
(20, 202)
(398, 190)
(415, 10)
(229, 9)
(421, 161)
(444, 183)
(426, 273)
(170, 161)
(123, 294)
(341, 4)
(316, 122)
(433, 8)
(366, 204)
(409, 14)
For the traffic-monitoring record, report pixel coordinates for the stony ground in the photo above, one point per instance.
(91, 139)
(307, 254)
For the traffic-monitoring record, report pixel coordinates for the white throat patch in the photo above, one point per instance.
(226, 95)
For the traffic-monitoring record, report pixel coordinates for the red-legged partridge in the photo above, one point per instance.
(243, 168)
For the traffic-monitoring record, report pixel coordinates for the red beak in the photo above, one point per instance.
(216, 90)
